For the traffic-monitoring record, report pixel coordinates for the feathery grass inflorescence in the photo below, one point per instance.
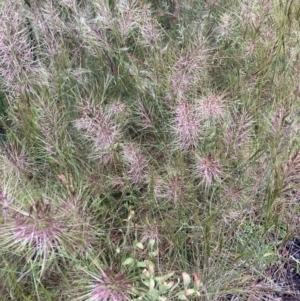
(43, 233)
(106, 284)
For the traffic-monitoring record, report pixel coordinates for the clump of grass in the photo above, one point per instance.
(145, 143)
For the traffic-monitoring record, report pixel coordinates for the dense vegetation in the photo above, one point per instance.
(149, 149)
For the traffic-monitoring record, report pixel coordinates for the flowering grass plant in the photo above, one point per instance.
(148, 149)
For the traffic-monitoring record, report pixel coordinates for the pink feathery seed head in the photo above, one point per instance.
(226, 27)
(150, 232)
(16, 55)
(111, 287)
(41, 236)
(131, 153)
(99, 128)
(5, 203)
(187, 125)
(186, 70)
(233, 193)
(38, 230)
(176, 188)
(209, 170)
(117, 108)
(159, 187)
(237, 135)
(150, 33)
(180, 83)
(106, 136)
(144, 116)
(149, 30)
(212, 107)
(137, 163)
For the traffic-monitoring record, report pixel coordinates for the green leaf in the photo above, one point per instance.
(154, 294)
(166, 277)
(153, 254)
(189, 292)
(182, 297)
(174, 286)
(151, 243)
(186, 279)
(164, 287)
(128, 261)
(140, 245)
(141, 264)
(152, 284)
